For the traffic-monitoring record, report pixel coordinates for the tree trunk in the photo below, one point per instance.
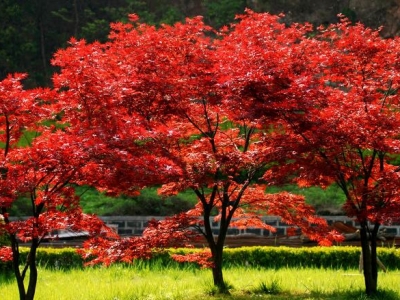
(76, 17)
(17, 272)
(370, 265)
(40, 11)
(24, 294)
(217, 249)
(218, 276)
(33, 273)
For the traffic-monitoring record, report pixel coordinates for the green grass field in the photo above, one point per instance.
(151, 283)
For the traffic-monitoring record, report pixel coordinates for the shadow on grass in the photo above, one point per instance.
(337, 295)
(357, 295)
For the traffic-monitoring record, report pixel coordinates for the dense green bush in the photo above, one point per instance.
(305, 257)
(254, 257)
(56, 258)
(278, 257)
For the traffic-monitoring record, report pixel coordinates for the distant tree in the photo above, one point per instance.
(18, 51)
(222, 12)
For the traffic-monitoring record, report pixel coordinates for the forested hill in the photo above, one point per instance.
(31, 31)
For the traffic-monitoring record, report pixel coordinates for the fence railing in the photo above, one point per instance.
(134, 225)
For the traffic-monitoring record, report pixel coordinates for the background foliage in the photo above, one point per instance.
(31, 31)
(149, 203)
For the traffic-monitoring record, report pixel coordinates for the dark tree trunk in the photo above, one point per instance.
(29, 293)
(43, 48)
(17, 271)
(19, 277)
(76, 17)
(33, 273)
(218, 276)
(370, 265)
(217, 249)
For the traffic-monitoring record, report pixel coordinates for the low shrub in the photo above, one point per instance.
(281, 257)
(56, 258)
(305, 257)
(253, 257)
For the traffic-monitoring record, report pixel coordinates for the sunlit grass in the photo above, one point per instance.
(145, 283)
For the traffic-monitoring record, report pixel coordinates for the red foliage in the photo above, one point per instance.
(110, 250)
(202, 258)
(6, 254)
(176, 231)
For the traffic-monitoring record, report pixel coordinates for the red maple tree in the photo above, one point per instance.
(153, 98)
(334, 91)
(39, 163)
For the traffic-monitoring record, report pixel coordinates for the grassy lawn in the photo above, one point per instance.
(151, 283)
